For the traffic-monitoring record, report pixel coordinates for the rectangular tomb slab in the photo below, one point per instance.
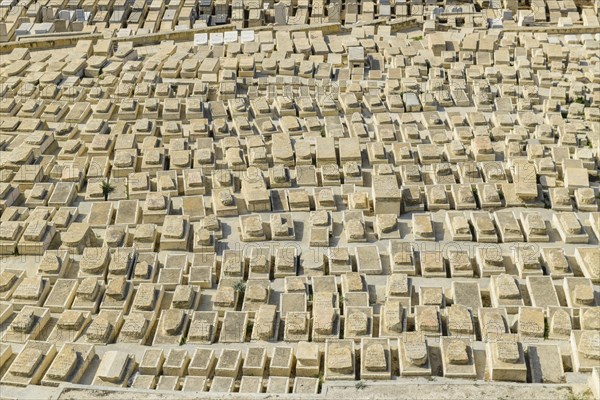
(457, 225)
(427, 320)
(170, 278)
(62, 295)
(201, 270)
(368, 260)
(579, 292)
(266, 323)
(28, 325)
(589, 262)
(308, 359)
(128, 213)
(172, 327)
(402, 257)
(186, 297)
(542, 291)
(137, 327)
(32, 291)
(54, 264)
(6, 353)
(278, 384)
(30, 365)
(89, 294)
(255, 362)
(94, 262)
(101, 214)
(376, 360)
(506, 360)
(545, 364)
(459, 321)
(202, 363)
(167, 383)
(118, 294)
(115, 369)
(457, 358)
(152, 361)
(233, 329)
(176, 362)
(256, 294)
(104, 327)
(69, 365)
(555, 262)
(467, 294)
(306, 386)
(490, 261)
(392, 319)
(70, 326)
(585, 347)
(251, 384)
(36, 238)
(534, 227)
(493, 323)
(508, 227)
(282, 361)
(505, 292)
(413, 355)
(530, 323)
(339, 260)
(297, 326)
(148, 298)
(399, 286)
(339, 360)
(432, 264)
(121, 262)
(194, 384)
(6, 311)
(422, 227)
(229, 363)
(485, 231)
(569, 228)
(203, 327)
(358, 322)
(9, 281)
(527, 260)
(259, 262)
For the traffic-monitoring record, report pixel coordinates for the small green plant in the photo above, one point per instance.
(107, 189)
(360, 385)
(580, 100)
(417, 38)
(239, 287)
